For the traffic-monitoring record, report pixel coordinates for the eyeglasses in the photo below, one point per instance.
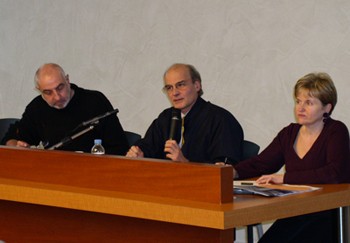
(179, 86)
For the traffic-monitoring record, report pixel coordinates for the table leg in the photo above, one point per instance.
(344, 231)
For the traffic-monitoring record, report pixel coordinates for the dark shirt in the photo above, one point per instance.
(211, 134)
(327, 161)
(40, 122)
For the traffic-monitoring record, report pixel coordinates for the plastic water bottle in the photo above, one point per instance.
(98, 148)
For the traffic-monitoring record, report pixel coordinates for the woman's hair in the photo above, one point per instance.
(320, 86)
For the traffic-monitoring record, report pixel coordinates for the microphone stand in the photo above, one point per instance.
(70, 138)
(91, 125)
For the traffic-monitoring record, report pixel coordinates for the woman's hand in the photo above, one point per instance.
(272, 179)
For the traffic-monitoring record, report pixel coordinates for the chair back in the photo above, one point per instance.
(5, 124)
(132, 137)
(250, 149)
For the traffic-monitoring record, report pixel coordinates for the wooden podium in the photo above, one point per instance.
(57, 196)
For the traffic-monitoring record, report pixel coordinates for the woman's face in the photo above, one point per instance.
(309, 110)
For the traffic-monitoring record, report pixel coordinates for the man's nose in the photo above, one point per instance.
(174, 91)
(56, 96)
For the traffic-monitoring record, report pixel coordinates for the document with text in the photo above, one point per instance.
(269, 190)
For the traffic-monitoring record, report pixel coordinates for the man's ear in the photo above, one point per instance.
(197, 85)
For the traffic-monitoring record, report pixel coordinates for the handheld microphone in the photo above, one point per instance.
(175, 121)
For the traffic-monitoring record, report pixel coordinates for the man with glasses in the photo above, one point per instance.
(209, 133)
(59, 110)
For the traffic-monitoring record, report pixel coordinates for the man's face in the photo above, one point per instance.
(54, 88)
(180, 88)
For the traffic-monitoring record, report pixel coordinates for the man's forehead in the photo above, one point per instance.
(49, 81)
(177, 75)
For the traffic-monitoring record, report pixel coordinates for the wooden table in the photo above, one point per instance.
(74, 211)
(250, 209)
(36, 207)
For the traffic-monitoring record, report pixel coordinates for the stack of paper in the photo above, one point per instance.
(269, 190)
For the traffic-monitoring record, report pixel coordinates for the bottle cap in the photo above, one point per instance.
(97, 141)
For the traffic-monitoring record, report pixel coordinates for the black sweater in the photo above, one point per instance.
(40, 122)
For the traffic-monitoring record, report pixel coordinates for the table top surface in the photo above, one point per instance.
(245, 209)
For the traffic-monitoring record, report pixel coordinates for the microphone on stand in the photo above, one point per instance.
(97, 118)
(91, 125)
